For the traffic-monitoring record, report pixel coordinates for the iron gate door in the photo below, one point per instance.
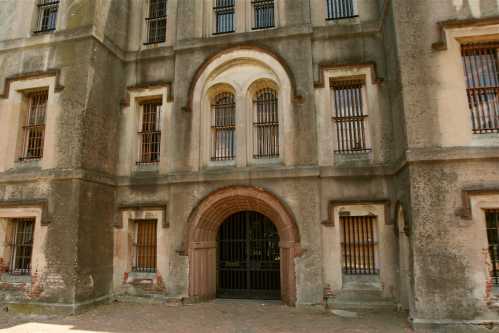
(248, 257)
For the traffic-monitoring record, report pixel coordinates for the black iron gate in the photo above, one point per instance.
(248, 257)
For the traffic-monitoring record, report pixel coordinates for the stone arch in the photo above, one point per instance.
(201, 232)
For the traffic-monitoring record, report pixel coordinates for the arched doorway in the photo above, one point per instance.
(200, 242)
(248, 257)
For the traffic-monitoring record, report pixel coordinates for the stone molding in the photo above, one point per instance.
(36, 203)
(144, 206)
(32, 76)
(333, 204)
(149, 85)
(466, 193)
(324, 67)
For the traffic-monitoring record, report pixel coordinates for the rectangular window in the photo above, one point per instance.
(482, 85)
(145, 246)
(156, 22)
(223, 127)
(47, 15)
(340, 9)
(263, 11)
(21, 245)
(150, 133)
(34, 125)
(350, 116)
(266, 124)
(359, 245)
(492, 219)
(224, 16)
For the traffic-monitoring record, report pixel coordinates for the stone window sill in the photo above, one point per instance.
(13, 278)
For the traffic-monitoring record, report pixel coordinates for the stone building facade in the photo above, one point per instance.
(362, 136)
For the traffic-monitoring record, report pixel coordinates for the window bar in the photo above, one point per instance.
(21, 243)
(223, 127)
(34, 126)
(263, 11)
(150, 134)
(47, 15)
(156, 22)
(492, 225)
(266, 125)
(340, 9)
(224, 16)
(358, 245)
(145, 246)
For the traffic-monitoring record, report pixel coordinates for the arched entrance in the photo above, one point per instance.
(200, 242)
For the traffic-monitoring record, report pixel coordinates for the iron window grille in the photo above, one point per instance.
(224, 11)
(145, 246)
(350, 116)
(223, 127)
(34, 126)
(47, 15)
(21, 245)
(481, 63)
(150, 133)
(359, 245)
(263, 11)
(266, 124)
(340, 9)
(156, 22)
(492, 220)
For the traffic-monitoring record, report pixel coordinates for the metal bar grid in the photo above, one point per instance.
(224, 16)
(34, 126)
(145, 246)
(359, 245)
(263, 14)
(21, 245)
(223, 127)
(350, 118)
(481, 64)
(266, 124)
(47, 15)
(156, 22)
(340, 9)
(150, 135)
(492, 220)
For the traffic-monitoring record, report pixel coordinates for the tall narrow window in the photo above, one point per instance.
(492, 219)
(340, 9)
(223, 127)
(263, 14)
(34, 126)
(150, 134)
(359, 245)
(145, 248)
(266, 124)
(224, 16)
(350, 116)
(482, 81)
(156, 22)
(21, 245)
(47, 15)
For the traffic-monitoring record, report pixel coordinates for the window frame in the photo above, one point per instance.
(41, 7)
(252, 14)
(353, 6)
(27, 126)
(13, 243)
(231, 127)
(135, 246)
(150, 18)
(255, 124)
(215, 15)
(158, 102)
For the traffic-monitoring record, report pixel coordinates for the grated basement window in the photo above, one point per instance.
(223, 127)
(156, 22)
(340, 9)
(349, 117)
(266, 125)
(359, 245)
(150, 134)
(145, 245)
(481, 63)
(263, 11)
(224, 16)
(21, 245)
(47, 15)
(34, 126)
(492, 220)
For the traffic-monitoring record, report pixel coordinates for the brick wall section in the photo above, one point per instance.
(3, 266)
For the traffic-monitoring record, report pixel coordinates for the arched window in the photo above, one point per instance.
(223, 127)
(265, 124)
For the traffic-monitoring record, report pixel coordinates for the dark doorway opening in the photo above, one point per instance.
(248, 257)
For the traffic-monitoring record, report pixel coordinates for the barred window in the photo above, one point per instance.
(47, 15)
(350, 116)
(340, 9)
(145, 246)
(492, 220)
(266, 124)
(359, 245)
(21, 245)
(150, 133)
(482, 86)
(156, 22)
(224, 16)
(34, 126)
(263, 11)
(223, 127)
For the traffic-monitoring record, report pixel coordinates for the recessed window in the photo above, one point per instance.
(145, 246)
(359, 245)
(150, 132)
(21, 245)
(34, 125)
(492, 220)
(47, 15)
(266, 124)
(482, 86)
(340, 9)
(224, 12)
(156, 22)
(223, 127)
(263, 14)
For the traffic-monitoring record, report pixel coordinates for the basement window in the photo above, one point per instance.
(47, 15)
(145, 246)
(20, 242)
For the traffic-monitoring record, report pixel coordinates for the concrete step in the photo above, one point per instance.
(361, 299)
